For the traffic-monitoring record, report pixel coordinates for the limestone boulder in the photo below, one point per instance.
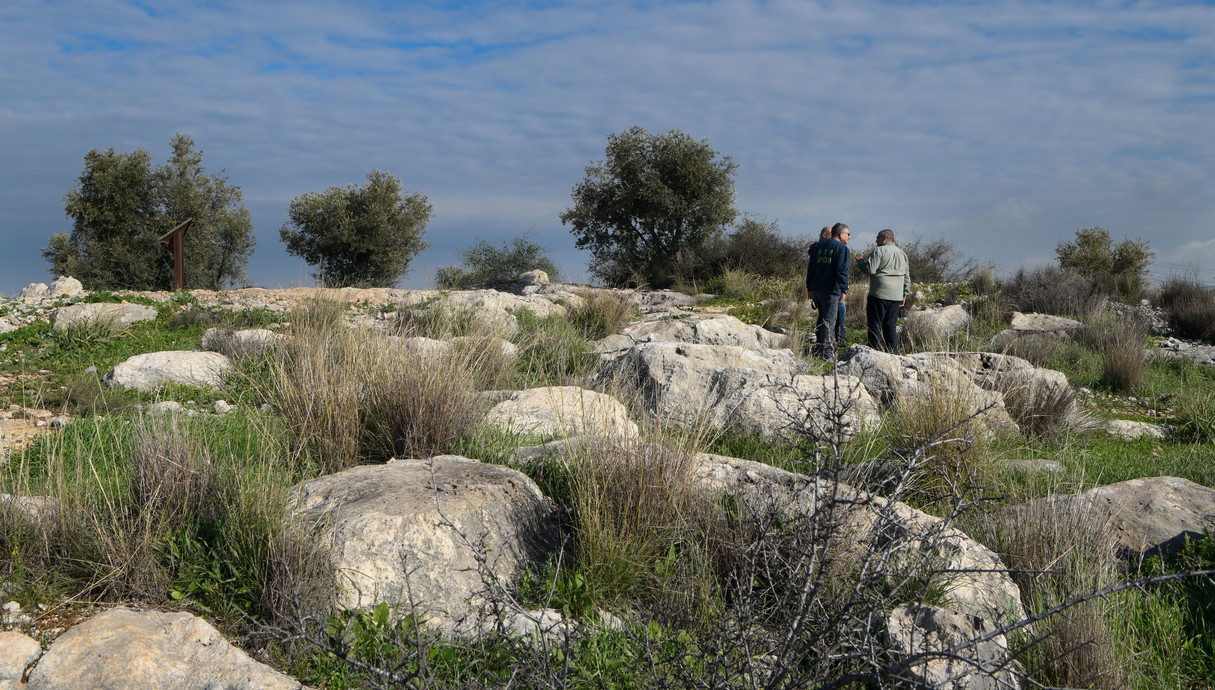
(249, 342)
(1130, 430)
(939, 323)
(150, 371)
(411, 533)
(493, 303)
(535, 276)
(704, 329)
(494, 346)
(1152, 515)
(652, 301)
(64, 286)
(975, 580)
(17, 652)
(37, 510)
(6, 326)
(126, 648)
(32, 293)
(895, 379)
(1042, 323)
(561, 412)
(748, 390)
(119, 315)
(947, 650)
(426, 347)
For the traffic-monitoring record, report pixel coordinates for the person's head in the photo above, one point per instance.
(885, 237)
(841, 232)
(824, 233)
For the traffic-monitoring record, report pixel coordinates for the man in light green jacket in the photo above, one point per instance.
(889, 284)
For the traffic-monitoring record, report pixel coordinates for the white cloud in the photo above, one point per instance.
(1004, 125)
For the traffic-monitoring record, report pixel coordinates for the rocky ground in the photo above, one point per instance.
(701, 367)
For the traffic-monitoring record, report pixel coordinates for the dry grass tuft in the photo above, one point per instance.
(1039, 349)
(175, 475)
(601, 313)
(1190, 307)
(1121, 344)
(1047, 412)
(1053, 555)
(939, 416)
(352, 396)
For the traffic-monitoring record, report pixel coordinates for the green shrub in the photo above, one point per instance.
(1114, 269)
(759, 248)
(485, 264)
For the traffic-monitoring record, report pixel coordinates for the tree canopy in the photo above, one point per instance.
(647, 210)
(358, 235)
(121, 205)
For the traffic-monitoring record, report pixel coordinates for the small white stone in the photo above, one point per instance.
(11, 607)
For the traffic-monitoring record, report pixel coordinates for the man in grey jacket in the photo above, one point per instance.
(889, 283)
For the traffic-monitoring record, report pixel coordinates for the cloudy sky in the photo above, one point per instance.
(1001, 126)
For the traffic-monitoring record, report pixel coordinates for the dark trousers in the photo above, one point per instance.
(883, 318)
(824, 332)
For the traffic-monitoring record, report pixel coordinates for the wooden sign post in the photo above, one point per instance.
(176, 239)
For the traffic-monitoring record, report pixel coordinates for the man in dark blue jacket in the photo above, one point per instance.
(827, 283)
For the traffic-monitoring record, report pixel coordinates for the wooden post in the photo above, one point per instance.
(176, 239)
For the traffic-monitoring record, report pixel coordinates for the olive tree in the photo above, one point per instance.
(649, 208)
(358, 235)
(121, 205)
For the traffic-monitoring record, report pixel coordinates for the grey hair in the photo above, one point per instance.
(838, 229)
(888, 234)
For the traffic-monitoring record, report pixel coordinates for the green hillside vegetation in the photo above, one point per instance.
(187, 511)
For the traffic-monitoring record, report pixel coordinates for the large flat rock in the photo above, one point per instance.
(562, 411)
(119, 315)
(1152, 515)
(150, 371)
(147, 650)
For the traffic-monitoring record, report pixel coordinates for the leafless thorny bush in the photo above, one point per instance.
(813, 569)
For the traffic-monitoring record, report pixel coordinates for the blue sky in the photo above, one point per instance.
(1001, 126)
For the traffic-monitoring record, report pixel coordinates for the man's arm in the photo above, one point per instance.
(841, 270)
